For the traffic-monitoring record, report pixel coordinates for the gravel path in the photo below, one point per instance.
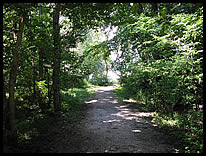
(110, 126)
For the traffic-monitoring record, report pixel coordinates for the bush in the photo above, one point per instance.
(187, 128)
(168, 74)
(100, 80)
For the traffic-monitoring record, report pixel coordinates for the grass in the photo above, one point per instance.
(125, 96)
(122, 93)
(188, 132)
(73, 101)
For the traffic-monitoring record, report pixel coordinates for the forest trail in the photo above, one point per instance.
(110, 126)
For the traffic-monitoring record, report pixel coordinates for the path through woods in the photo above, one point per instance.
(114, 127)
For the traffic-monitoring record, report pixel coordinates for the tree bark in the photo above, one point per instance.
(56, 65)
(154, 8)
(49, 95)
(5, 117)
(41, 49)
(106, 65)
(34, 83)
(41, 75)
(12, 77)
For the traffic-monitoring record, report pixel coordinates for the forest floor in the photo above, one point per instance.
(111, 126)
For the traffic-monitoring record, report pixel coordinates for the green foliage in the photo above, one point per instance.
(122, 93)
(100, 80)
(187, 128)
(32, 131)
(73, 102)
(96, 59)
(161, 64)
(163, 76)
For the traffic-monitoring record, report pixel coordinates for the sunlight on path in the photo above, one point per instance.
(111, 126)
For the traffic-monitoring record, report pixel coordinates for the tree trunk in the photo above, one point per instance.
(56, 65)
(40, 61)
(5, 117)
(49, 95)
(106, 65)
(34, 83)
(12, 77)
(154, 8)
(40, 51)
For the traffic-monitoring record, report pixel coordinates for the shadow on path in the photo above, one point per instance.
(114, 127)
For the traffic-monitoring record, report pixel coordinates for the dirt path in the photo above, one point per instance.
(113, 127)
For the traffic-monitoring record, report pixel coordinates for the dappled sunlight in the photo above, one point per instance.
(176, 150)
(112, 121)
(114, 101)
(126, 113)
(136, 131)
(144, 114)
(109, 117)
(107, 88)
(154, 125)
(110, 100)
(123, 106)
(92, 101)
(100, 91)
(122, 111)
(130, 100)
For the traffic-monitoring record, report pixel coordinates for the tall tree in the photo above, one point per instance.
(56, 63)
(13, 73)
(40, 51)
(40, 58)
(154, 8)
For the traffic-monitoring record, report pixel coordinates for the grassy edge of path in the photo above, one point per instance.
(35, 133)
(165, 122)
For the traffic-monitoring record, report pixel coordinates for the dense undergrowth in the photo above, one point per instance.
(186, 127)
(36, 128)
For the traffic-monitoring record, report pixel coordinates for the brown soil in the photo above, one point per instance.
(110, 126)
